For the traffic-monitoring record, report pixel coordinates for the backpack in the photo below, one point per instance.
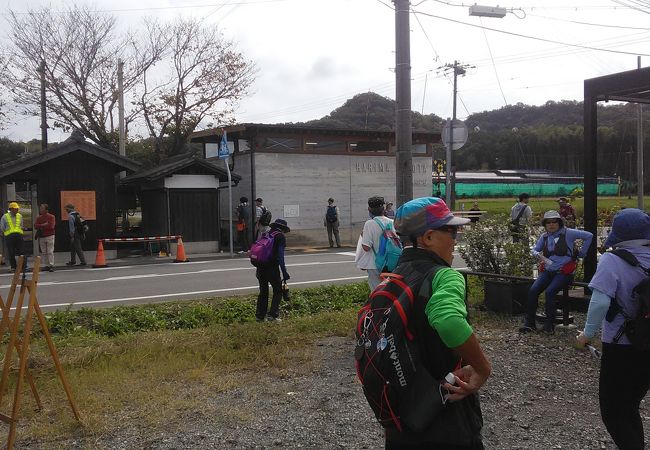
(331, 214)
(637, 328)
(400, 390)
(80, 225)
(265, 218)
(514, 226)
(261, 251)
(390, 248)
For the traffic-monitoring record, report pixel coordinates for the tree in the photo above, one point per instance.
(81, 49)
(203, 76)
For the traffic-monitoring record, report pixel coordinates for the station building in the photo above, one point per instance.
(295, 169)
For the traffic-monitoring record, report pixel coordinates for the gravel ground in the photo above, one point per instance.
(542, 395)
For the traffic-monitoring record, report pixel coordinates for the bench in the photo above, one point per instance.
(565, 301)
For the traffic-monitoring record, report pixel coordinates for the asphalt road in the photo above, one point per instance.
(148, 283)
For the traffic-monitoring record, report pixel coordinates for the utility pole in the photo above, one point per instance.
(458, 70)
(403, 132)
(639, 150)
(43, 108)
(120, 106)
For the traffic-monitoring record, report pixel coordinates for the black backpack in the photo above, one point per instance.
(331, 214)
(265, 218)
(637, 328)
(80, 225)
(400, 390)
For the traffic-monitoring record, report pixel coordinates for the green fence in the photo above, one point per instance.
(477, 190)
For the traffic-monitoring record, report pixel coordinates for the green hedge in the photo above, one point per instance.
(200, 313)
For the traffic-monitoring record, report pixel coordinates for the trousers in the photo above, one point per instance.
(265, 276)
(552, 282)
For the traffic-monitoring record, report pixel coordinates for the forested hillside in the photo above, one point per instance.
(549, 136)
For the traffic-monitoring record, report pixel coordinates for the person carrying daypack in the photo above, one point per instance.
(617, 296)
(417, 357)
(267, 255)
(331, 222)
(520, 214)
(263, 216)
(77, 232)
(370, 240)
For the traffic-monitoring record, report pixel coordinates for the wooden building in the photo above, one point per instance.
(74, 171)
(180, 196)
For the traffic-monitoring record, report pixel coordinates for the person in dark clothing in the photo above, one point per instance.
(474, 216)
(269, 273)
(445, 339)
(243, 219)
(75, 237)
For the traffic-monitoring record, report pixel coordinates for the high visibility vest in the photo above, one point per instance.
(14, 227)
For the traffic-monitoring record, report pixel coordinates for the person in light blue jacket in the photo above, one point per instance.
(624, 368)
(557, 252)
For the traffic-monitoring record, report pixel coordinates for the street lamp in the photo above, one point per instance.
(487, 11)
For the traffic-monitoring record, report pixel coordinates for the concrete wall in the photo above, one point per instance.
(296, 187)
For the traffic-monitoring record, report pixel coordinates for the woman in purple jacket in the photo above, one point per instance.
(557, 254)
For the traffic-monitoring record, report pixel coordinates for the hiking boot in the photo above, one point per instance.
(82, 264)
(70, 263)
(50, 269)
(257, 319)
(273, 319)
(526, 329)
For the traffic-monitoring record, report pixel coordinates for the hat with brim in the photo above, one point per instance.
(629, 224)
(414, 218)
(552, 215)
(14, 205)
(280, 224)
(562, 199)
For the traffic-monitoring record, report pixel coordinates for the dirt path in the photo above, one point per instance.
(542, 395)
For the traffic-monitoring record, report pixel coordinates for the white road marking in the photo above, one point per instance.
(157, 275)
(211, 291)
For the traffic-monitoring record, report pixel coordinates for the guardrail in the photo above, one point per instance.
(564, 301)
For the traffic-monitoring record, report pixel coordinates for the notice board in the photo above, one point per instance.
(83, 201)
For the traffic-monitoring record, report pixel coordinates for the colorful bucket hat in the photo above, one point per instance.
(426, 213)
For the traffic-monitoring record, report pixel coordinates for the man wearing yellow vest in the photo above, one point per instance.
(11, 225)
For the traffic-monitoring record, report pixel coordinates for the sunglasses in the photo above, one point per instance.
(449, 229)
(551, 221)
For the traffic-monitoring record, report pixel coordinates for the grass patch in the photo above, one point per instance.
(146, 378)
(198, 314)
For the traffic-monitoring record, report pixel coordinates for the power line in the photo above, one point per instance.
(577, 22)
(551, 41)
(161, 8)
(494, 66)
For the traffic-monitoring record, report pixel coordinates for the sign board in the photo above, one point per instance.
(291, 211)
(459, 131)
(83, 201)
(224, 151)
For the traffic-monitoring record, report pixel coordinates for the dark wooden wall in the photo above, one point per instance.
(194, 214)
(79, 171)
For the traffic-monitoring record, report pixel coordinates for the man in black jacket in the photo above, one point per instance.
(445, 339)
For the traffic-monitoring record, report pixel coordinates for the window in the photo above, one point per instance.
(369, 147)
(280, 144)
(317, 145)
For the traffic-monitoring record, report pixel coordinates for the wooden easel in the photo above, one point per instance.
(22, 344)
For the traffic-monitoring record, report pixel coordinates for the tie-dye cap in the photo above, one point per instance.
(426, 213)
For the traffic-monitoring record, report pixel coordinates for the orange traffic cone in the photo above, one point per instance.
(100, 260)
(180, 252)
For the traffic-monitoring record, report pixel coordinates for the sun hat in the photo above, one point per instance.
(280, 224)
(552, 214)
(629, 224)
(14, 205)
(426, 213)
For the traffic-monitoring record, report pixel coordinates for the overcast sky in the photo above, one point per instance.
(313, 55)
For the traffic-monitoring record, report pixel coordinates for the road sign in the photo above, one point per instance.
(459, 135)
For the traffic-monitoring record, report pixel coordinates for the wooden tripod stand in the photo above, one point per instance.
(21, 345)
